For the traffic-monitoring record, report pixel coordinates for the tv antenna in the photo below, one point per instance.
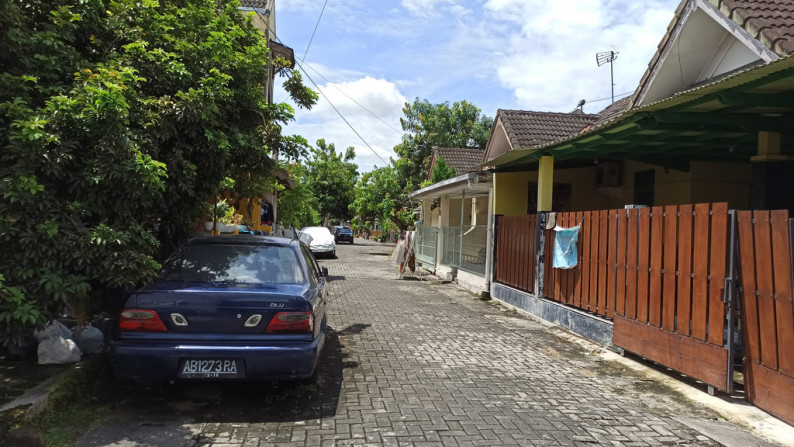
(603, 58)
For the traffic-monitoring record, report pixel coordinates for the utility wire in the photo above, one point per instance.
(341, 116)
(300, 65)
(315, 30)
(303, 59)
(604, 99)
(350, 98)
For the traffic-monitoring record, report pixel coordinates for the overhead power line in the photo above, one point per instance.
(340, 115)
(604, 99)
(351, 98)
(315, 30)
(300, 65)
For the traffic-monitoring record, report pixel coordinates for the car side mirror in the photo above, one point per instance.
(324, 271)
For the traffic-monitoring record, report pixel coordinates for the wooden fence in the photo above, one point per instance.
(765, 247)
(515, 252)
(658, 273)
(590, 285)
(663, 275)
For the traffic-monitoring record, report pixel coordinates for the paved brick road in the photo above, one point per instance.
(420, 363)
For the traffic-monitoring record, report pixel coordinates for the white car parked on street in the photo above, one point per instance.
(322, 241)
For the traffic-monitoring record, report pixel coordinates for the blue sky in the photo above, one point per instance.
(497, 54)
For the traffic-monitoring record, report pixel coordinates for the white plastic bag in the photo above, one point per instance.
(54, 329)
(89, 339)
(58, 351)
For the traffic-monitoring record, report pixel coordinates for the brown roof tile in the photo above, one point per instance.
(769, 21)
(463, 160)
(531, 129)
(614, 109)
(258, 4)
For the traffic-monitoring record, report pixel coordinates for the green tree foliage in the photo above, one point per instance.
(298, 206)
(332, 177)
(428, 126)
(118, 119)
(441, 171)
(375, 196)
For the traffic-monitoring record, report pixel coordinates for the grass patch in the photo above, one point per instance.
(80, 400)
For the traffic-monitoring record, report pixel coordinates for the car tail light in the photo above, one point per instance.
(140, 320)
(291, 323)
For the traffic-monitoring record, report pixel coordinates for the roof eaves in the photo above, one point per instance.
(732, 80)
(464, 178)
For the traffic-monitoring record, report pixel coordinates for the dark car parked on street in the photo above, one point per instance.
(343, 234)
(226, 308)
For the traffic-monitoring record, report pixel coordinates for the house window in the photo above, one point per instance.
(560, 198)
(643, 187)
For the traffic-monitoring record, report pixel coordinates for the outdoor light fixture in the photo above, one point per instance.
(603, 58)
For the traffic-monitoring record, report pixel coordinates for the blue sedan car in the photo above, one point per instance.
(226, 308)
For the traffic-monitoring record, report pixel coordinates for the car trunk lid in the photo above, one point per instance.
(219, 308)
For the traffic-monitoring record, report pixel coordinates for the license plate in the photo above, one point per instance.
(209, 369)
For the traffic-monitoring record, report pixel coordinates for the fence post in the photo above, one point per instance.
(729, 294)
(494, 247)
(540, 253)
(615, 266)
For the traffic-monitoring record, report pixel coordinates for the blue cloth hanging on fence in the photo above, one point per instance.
(565, 255)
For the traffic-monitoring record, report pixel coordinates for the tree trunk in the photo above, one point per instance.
(401, 226)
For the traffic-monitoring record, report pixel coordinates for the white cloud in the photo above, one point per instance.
(509, 54)
(372, 107)
(551, 54)
(433, 8)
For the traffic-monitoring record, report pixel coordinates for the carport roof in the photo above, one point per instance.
(473, 184)
(718, 121)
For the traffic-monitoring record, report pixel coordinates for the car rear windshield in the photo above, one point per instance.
(229, 263)
(345, 231)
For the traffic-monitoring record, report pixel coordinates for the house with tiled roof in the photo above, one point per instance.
(455, 222)
(462, 160)
(656, 186)
(664, 151)
(452, 234)
(524, 129)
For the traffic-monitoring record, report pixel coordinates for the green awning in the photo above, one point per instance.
(719, 121)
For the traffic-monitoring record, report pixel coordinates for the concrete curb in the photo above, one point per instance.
(36, 400)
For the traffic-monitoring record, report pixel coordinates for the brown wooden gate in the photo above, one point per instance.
(765, 246)
(515, 251)
(669, 302)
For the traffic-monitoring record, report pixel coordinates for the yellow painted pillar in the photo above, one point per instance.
(545, 182)
(768, 147)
